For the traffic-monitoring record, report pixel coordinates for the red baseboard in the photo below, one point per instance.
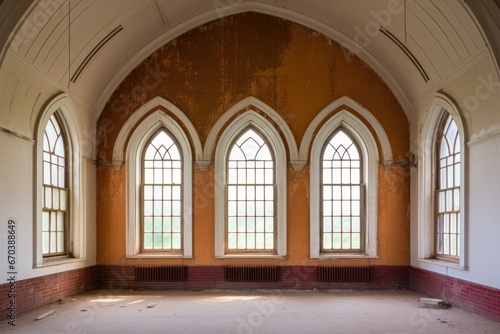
(35, 292)
(290, 277)
(469, 296)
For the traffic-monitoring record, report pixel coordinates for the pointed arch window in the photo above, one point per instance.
(343, 189)
(162, 203)
(342, 227)
(55, 194)
(251, 206)
(448, 147)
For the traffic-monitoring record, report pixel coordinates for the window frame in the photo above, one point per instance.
(140, 136)
(439, 139)
(361, 184)
(268, 132)
(426, 199)
(66, 252)
(142, 199)
(370, 168)
(274, 186)
(75, 169)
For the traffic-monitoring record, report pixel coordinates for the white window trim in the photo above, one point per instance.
(154, 103)
(369, 151)
(440, 105)
(248, 103)
(267, 130)
(77, 202)
(136, 144)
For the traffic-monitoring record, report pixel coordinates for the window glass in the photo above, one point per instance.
(54, 192)
(448, 191)
(251, 217)
(341, 188)
(162, 200)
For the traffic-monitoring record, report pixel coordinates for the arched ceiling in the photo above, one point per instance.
(88, 47)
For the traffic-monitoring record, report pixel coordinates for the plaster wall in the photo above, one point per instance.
(295, 71)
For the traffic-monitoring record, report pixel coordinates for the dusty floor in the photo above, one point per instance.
(225, 312)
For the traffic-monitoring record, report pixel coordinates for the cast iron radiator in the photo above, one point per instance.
(251, 273)
(160, 273)
(344, 273)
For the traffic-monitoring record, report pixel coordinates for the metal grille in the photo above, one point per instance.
(161, 273)
(251, 273)
(344, 274)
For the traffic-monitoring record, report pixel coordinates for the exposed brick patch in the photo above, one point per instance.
(469, 296)
(35, 292)
(290, 277)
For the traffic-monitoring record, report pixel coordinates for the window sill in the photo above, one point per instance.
(58, 261)
(443, 263)
(250, 256)
(158, 256)
(345, 256)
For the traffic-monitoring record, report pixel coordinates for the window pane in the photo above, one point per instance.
(63, 193)
(167, 224)
(176, 241)
(45, 221)
(45, 242)
(148, 224)
(337, 224)
(148, 241)
(327, 224)
(167, 241)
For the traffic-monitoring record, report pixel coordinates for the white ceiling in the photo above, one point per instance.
(57, 36)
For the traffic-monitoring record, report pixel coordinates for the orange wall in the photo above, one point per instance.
(295, 71)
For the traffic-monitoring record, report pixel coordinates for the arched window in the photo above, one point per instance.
(62, 216)
(251, 209)
(250, 188)
(159, 183)
(442, 233)
(448, 149)
(344, 186)
(54, 190)
(342, 226)
(162, 205)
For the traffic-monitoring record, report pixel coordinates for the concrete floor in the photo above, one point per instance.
(228, 312)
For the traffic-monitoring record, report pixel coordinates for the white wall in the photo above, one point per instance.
(17, 202)
(478, 84)
(24, 95)
(484, 212)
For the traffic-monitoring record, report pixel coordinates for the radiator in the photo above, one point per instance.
(160, 273)
(344, 273)
(251, 273)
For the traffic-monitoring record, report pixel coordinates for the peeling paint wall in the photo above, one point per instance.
(295, 71)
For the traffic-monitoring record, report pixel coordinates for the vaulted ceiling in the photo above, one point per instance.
(88, 47)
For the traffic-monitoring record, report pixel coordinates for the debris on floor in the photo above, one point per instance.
(151, 305)
(433, 303)
(45, 315)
